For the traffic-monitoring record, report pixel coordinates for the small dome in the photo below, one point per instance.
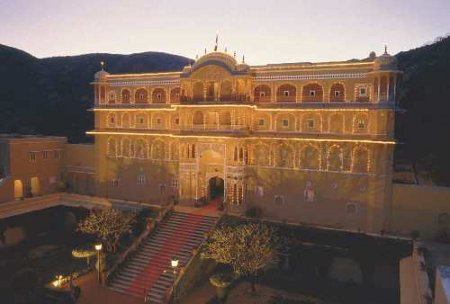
(386, 62)
(242, 67)
(101, 75)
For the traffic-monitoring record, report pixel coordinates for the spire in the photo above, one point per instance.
(243, 58)
(217, 43)
(205, 51)
(385, 49)
(102, 64)
(226, 50)
(234, 54)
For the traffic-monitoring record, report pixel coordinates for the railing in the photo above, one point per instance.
(163, 212)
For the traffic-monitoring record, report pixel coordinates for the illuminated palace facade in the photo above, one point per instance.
(304, 142)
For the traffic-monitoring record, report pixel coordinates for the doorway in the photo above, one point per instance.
(215, 188)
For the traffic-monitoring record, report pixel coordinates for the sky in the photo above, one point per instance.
(265, 31)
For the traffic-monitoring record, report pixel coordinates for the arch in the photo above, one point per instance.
(140, 120)
(262, 93)
(126, 147)
(198, 118)
(285, 122)
(286, 93)
(198, 91)
(261, 155)
(226, 90)
(158, 121)
(310, 158)
(284, 156)
(383, 88)
(261, 121)
(159, 96)
(18, 189)
(102, 94)
(363, 92)
(158, 150)
(112, 97)
(360, 123)
(141, 96)
(337, 92)
(125, 120)
(141, 149)
(216, 188)
(111, 120)
(336, 123)
(312, 92)
(126, 96)
(35, 185)
(311, 122)
(360, 159)
(335, 158)
(174, 151)
(175, 121)
(175, 95)
(111, 150)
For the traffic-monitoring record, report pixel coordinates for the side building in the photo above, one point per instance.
(304, 142)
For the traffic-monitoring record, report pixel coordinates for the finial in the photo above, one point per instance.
(226, 49)
(217, 43)
(196, 57)
(385, 50)
(205, 51)
(243, 58)
(234, 55)
(102, 64)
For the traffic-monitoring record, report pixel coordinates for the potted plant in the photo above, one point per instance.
(221, 281)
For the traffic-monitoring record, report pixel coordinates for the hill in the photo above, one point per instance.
(51, 95)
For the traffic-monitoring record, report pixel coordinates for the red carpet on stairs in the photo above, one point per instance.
(160, 260)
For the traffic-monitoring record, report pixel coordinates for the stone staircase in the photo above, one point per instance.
(148, 273)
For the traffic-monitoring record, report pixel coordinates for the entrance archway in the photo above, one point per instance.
(215, 188)
(35, 187)
(18, 189)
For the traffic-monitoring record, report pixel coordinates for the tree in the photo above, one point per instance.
(108, 225)
(246, 248)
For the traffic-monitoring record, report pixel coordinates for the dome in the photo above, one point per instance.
(101, 75)
(386, 62)
(221, 58)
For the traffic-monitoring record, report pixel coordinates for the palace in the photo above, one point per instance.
(304, 142)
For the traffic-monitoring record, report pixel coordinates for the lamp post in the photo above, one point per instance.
(174, 264)
(98, 248)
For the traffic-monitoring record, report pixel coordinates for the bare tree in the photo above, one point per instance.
(108, 225)
(247, 248)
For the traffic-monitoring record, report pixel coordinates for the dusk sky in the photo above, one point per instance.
(265, 31)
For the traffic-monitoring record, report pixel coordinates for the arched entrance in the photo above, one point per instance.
(18, 189)
(215, 188)
(35, 186)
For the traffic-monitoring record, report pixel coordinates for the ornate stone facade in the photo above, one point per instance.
(305, 142)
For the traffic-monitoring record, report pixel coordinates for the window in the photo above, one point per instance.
(286, 93)
(310, 123)
(162, 189)
(115, 183)
(261, 122)
(112, 120)
(285, 122)
(125, 97)
(337, 93)
(32, 156)
(141, 96)
(351, 209)
(111, 97)
(141, 120)
(158, 121)
(312, 93)
(262, 94)
(259, 191)
(158, 96)
(177, 121)
(361, 124)
(45, 154)
(141, 179)
(58, 154)
(362, 91)
(174, 183)
(278, 199)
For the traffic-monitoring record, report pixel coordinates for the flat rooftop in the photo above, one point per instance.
(32, 137)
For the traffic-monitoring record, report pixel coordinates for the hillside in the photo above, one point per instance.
(51, 95)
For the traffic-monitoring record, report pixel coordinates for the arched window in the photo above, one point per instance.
(112, 147)
(360, 160)
(284, 156)
(261, 155)
(198, 92)
(225, 119)
(310, 158)
(140, 120)
(141, 96)
(360, 123)
(225, 91)
(102, 94)
(337, 93)
(158, 151)
(383, 88)
(175, 95)
(193, 151)
(126, 147)
(125, 120)
(312, 92)
(141, 149)
(111, 120)
(125, 96)
(262, 93)
(286, 93)
(111, 97)
(335, 158)
(159, 96)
